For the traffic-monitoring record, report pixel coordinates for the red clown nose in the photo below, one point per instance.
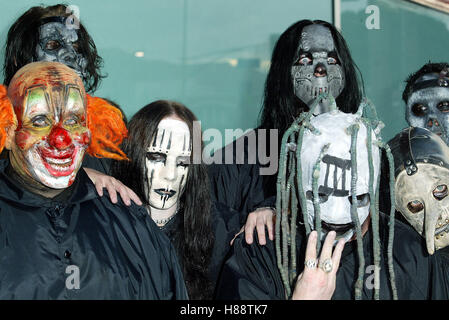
(59, 138)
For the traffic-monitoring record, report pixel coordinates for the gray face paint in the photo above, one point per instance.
(58, 43)
(429, 108)
(317, 68)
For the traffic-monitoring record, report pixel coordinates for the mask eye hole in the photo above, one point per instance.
(323, 197)
(419, 110)
(443, 106)
(415, 206)
(440, 192)
(362, 200)
(332, 58)
(304, 59)
(76, 46)
(52, 45)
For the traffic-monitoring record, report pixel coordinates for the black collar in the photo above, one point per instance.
(81, 190)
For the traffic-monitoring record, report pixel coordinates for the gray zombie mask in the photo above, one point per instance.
(59, 43)
(317, 67)
(428, 106)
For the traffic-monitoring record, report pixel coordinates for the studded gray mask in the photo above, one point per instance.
(317, 68)
(428, 106)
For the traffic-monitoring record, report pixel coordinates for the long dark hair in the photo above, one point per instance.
(194, 242)
(281, 106)
(23, 37)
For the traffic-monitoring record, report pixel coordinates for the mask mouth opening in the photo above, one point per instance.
(338, 228)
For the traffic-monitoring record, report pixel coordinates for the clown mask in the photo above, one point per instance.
(330, 149)
(167, 162)
(51, 134)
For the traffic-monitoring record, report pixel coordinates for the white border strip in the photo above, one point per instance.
(337, 14)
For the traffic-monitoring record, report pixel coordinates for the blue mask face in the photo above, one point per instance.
(59, 43)
(429, 108)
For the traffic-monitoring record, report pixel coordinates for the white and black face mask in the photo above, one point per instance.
(167, 162)
(423, 200)
(59, 43)
(428, 106)
(317, 68)
(334, 181)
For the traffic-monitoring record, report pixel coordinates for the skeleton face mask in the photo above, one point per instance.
(52, 134)
(428, 106)
(59, 43)
(317, 68)
(334, 179)
(167, 162)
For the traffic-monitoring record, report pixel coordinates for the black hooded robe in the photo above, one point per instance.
(251, 271)
(239, 184)
(224, 224)
(79, 245)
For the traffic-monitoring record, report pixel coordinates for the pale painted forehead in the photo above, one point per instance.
(176, 126)
(52, 29)
(172, 135)
(316, 37)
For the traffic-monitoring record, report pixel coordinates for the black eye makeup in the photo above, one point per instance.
(362, 200)
(156, 157)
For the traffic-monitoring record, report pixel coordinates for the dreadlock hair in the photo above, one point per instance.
(194, 240)
(290, 192)
(23, 37)
(425, 69)
(281, 106)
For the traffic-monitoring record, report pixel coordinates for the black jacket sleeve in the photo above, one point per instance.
(239, 184)
(251, 273)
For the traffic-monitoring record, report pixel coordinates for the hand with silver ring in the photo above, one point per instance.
(319, 283)
(326, 265)
(312, 263)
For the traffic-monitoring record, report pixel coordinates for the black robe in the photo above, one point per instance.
(251, 271)
(117, 251)
(225, 225)
(239, 185)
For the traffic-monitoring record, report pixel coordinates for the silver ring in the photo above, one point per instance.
(312, 263)
(326, 265)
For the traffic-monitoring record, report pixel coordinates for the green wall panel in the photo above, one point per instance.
(409, 36)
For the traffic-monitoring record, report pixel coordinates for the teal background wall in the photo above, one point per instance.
(409, 36)
(213, 55)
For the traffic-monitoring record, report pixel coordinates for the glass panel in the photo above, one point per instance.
(212, 56)
(409, 36)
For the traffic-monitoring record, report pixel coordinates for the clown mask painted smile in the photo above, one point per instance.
(52, 135)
